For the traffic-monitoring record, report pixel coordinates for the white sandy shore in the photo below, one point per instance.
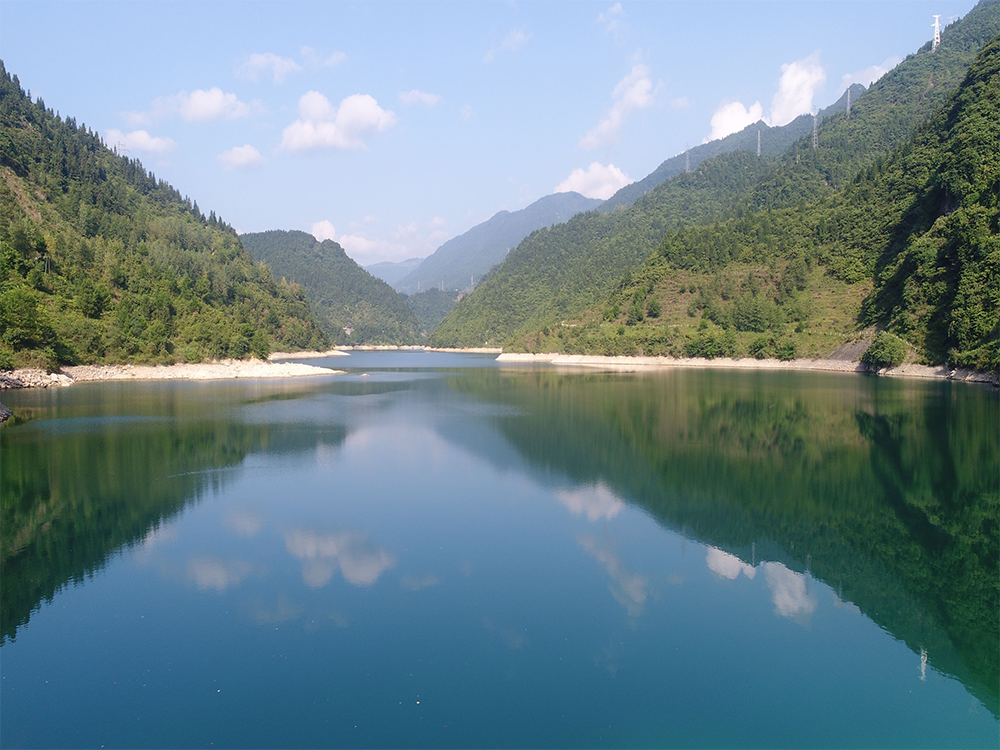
(222, 370)
(307, 355)
(636, 364)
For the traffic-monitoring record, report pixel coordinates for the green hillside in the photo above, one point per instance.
(102, 262)
(911, 246)
(553, 276)
(342, 294)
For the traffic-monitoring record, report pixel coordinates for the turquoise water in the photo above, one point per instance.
(438, 551)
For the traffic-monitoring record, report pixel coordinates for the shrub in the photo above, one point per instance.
(786, 350)
(886, 350)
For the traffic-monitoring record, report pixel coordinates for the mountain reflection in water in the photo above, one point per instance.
(886, 492)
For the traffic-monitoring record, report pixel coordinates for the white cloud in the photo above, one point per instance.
(869, 75)
(467, 113)
(628, 589)
(324, 230)
(241, 157)
(138, 140)
(514, 40)
(611, 20)
(315, 61)
(634, 91)
(797, 87)
(596, 502)
(198, 106)
(728, 566)
(321, 125)
(365, 250)
(437, 222)
(213, 104)
(789, 592)
(597, 181)
(416, 96)
(360, 562)
(681, 102)
(732, 117)
(799, 82)
(267, 62)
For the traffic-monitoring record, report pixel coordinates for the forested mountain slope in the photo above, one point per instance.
(462, 261)
(102, 262)
(342, 294)
(910, 246)
(554, 275)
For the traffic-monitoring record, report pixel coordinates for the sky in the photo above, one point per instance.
(392, 127)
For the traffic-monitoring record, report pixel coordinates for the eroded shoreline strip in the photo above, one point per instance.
(637, 364)
(228, 369)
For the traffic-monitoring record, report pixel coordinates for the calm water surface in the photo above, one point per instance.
(435, 550)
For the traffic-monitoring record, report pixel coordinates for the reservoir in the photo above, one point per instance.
(437, 550)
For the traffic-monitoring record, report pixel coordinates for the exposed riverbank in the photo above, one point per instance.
(222, 370)
(635, 364)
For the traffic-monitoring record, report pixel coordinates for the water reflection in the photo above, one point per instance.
(595, 501)
(360, 562)
(257, 501)
(629, 589)
(888, 490)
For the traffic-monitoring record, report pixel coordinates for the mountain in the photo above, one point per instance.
(773, 140)
(431, 306)
(390, 273)
(351, 305)
(102, 262)
(910, 246)
(554, 275)
(461, 261)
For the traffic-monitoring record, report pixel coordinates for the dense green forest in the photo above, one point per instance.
(762, 257)
(344, 296)
(102, 262)
(431, 306)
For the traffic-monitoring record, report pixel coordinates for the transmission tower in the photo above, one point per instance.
(848, 102)
(758, 142)
(687, 158)
(937, 33)
(815, 131)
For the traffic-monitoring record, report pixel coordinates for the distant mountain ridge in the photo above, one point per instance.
(462, 261)
(391, 272)
(351, 305)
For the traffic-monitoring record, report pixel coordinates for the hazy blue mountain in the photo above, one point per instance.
(390, 272)
(772, 141)
(461, 261)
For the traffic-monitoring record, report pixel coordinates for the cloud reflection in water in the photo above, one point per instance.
(628, 588)
(360, 562)
(595, 501)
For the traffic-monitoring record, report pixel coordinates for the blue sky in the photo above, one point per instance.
(391, 127)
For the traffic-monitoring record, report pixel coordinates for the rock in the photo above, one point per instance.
(5, 414)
